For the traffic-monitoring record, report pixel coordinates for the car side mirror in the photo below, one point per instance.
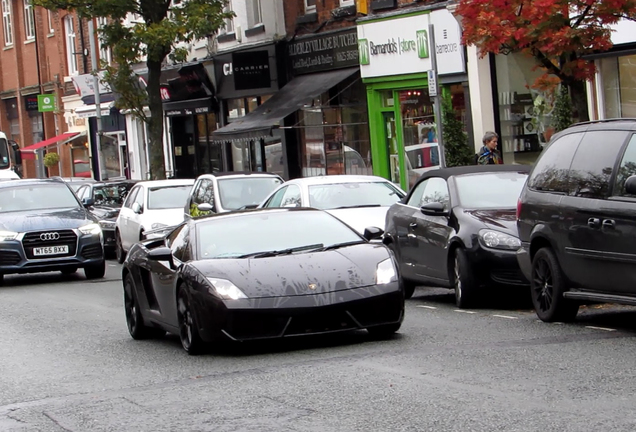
(136, 207)
(434, 209)
(163, 253)
(373, 233)
(630, 185)
(87, 202)
(205, 207)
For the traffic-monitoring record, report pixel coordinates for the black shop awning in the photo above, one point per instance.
(292, 97)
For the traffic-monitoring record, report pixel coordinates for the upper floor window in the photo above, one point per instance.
(254, 15)
(347, 3)
(229, 23)
(71, 59)
(29, 20)
(50, 20)
(6, 22)
(105, 53)
(310, 6)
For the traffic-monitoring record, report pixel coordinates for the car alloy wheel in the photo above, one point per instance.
(547, 286)
(135, 322)
(464, 281)
(544, 290)
(187, 327)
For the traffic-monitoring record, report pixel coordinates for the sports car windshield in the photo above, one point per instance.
(37, 197)
(168, 197)
(354, 194)
(240, 192)
(490, 190)
(247, 234)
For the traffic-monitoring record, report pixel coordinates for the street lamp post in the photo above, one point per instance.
(103, 175)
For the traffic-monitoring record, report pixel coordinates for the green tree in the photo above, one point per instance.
(158, 30)
(456, 148)
(562, 114)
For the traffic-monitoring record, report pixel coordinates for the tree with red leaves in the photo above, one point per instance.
(556, 33)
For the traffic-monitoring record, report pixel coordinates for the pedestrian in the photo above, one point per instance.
(489, 155)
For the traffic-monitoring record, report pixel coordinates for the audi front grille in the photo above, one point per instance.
(37, 239)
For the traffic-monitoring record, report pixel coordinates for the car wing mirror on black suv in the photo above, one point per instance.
(434, 209)
(630, 185)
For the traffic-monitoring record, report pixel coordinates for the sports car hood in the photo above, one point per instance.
(361, 218)
(500, 220)
(300, 274)
(45, 219)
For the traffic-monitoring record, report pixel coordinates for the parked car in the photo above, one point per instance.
(259, 274)
(576, 220)
(150, 205)
(456, 229)
(77, 182)
(224, 192)
(104, 200)
(44, 227)
(8, 174)
(359, 201)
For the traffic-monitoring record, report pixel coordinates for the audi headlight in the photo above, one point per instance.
(90, 229)
(385, 272)
(498, 240)
(225, 289)
(7, 235)
(157, 225)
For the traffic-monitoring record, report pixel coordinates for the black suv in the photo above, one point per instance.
(44, 227)
(577, 220)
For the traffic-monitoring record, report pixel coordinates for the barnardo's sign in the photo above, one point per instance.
(323, 52)
(400, 46)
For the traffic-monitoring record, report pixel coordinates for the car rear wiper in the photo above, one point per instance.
(289, 251)
(359, 206)
(340, 245)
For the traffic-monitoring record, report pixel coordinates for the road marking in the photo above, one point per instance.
(426, 307)
(505, 316)
(600, 328)
(464, 311)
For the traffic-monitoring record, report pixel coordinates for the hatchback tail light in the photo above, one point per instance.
(518, 208)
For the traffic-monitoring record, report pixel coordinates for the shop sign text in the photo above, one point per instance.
(324, 52)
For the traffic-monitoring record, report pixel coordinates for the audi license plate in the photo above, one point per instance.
(50, 250)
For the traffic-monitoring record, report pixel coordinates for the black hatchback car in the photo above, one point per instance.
(577, 220)
(456, 228)
(44, 227)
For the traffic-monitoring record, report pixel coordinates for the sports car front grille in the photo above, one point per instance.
(320, 323)
(8, 258)
(33, 240)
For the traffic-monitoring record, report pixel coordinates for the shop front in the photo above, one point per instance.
(245, 79)
(317, 123)
(394, 59)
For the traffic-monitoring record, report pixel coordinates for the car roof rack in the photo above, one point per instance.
(605, 121)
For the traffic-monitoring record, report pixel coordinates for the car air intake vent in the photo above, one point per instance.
(92, 251)
(8, 258)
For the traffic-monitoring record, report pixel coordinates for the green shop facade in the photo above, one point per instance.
(395, 57)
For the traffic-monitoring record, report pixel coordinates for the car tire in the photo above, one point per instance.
(464, 281)
(1, 279)
(547, 286)
(69, 270)
(384, 331)
(188, 332)
(409, 288)
(119, 249)
(134, 321)
(95, 271)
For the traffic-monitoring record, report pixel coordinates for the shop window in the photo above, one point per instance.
(112, 160)
(252, 104)
(7, 23)
(29, 20)
(235, 108)
(14, 128)
(37, 128)
(81, 164)
(419, 133)
(387, 98)
(618, 76)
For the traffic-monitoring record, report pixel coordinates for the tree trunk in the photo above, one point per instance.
(155, 123)
(578, 94)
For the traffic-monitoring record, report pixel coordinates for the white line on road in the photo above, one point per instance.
(600, 328)
(505, 316)
(426, 307)
(464, 311)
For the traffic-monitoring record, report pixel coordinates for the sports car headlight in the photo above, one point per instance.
(498, 240)
(157, 225)
(90, 229)
(385, 272)
(225, 289)
(7, 235)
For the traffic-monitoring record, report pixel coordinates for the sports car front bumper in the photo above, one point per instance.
(277, 317)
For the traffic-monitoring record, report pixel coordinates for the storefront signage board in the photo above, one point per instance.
(245, 73)
(448, 47)
(324, 52)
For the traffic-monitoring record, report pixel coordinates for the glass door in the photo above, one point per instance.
(392, 146)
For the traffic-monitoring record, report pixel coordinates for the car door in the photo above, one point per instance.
(124, 215)
(432, 233)
(400, 223)
(163, 274)
(134, 220)
(591, 234)
(202, 192)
